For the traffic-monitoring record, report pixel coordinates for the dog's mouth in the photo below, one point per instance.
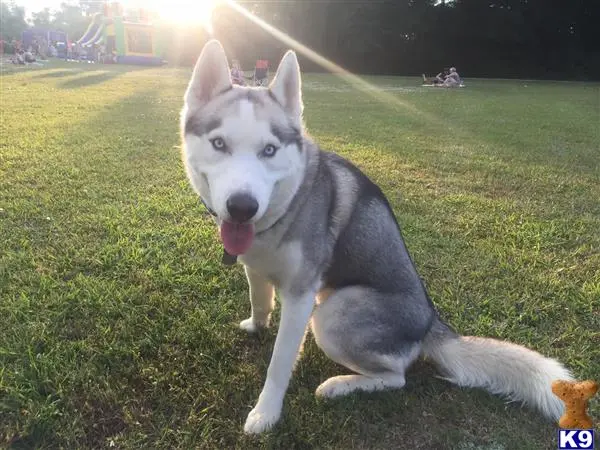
(237, 237)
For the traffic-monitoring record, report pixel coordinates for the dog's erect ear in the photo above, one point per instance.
(210, 77)
(286, 86)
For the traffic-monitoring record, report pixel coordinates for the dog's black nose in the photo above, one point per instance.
(242, 207)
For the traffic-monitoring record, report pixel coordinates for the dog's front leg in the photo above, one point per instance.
(295, 314)
(262, 299)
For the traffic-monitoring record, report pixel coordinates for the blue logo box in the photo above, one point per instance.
(576, 439)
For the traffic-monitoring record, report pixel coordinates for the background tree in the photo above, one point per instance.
(12, 20)
(42, 19)
(91, 7)
(482, 38)
(71, 19)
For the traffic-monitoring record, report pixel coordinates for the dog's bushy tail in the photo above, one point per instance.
(515, 372)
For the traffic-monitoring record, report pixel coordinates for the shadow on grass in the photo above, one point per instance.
(123, 156)
(58, 73)
(96, 74)
(88, 80)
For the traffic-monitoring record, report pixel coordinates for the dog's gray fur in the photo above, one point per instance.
(325, 231)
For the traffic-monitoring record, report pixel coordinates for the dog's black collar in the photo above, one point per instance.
(227, 258)
(210, 211)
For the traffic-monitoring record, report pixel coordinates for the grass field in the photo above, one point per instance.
(118, 322)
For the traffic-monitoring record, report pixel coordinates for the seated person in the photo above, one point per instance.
(28, 57)
(19, 57)
(439, 78)
(452, 79)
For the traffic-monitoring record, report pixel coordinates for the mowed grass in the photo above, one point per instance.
(119, 323)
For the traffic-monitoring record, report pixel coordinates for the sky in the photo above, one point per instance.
(178, 10)
(38, 5)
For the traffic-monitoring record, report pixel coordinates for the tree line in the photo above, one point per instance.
(482, 38)
(556, 39)
(69, 17)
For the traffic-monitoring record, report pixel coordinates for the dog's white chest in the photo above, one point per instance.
(277, 264)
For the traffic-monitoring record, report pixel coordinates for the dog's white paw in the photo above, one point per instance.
(251, 326)
(334, 387)
(261, 419)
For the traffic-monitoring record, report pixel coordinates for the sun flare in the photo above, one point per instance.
(186, 12)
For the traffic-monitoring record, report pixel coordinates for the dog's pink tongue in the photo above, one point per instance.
(237, 237)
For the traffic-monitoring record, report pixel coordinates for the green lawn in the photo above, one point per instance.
(118, 322)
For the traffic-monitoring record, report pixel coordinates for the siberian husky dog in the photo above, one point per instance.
(311, 225)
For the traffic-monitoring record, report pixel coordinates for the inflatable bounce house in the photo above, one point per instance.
(131, 38)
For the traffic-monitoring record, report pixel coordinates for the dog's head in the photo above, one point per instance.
(242, 146)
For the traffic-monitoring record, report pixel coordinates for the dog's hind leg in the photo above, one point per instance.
(376, 335)
(345, 384)
(262, 300)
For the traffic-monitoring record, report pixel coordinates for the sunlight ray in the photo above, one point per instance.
(356, 81)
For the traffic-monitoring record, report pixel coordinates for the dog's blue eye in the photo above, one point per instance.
(218, 143)
(269, 150)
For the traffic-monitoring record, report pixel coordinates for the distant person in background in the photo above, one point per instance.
(261, 72)
(237, 75)
(35, 47)
(19, 57)
(29, 57)
(43, 48)
(438, 80)
(440, 77)
(102, 53)
(452, 79)
(92, 53)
